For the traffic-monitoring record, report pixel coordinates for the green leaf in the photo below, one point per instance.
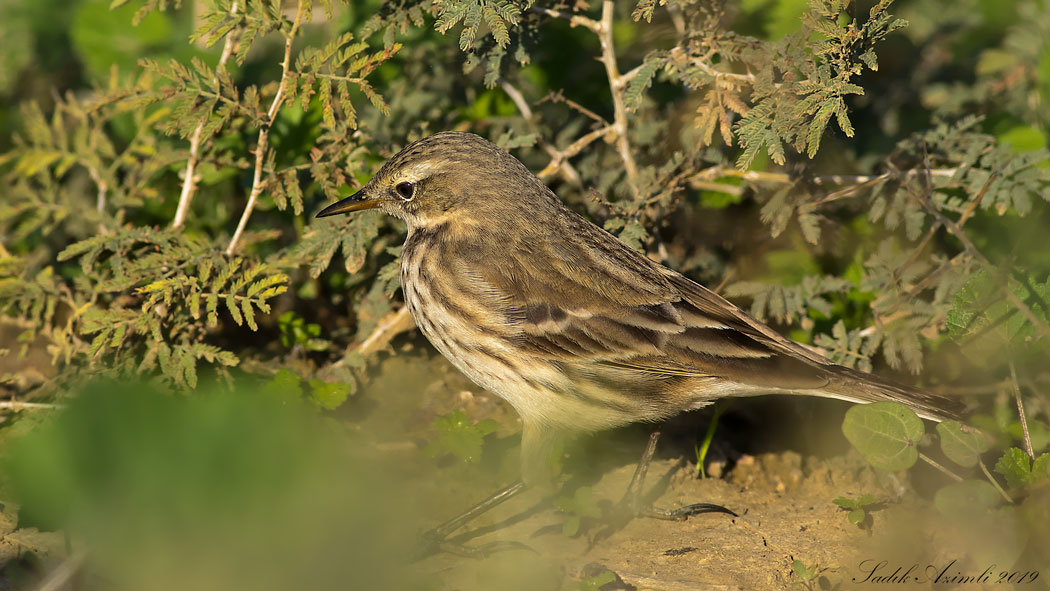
(1018, 469)
(460, 436)
(859, 502)
(330, 395)
(581, 504)
(963, 445)
(284, 383)
(963, 499)
(636, 87)
(885, 433)
(856, 516)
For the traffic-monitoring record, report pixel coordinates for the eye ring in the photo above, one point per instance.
(405, 190)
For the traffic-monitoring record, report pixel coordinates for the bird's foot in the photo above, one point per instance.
(632, 507)
(433, 542)
(437, 539)
(682, 513)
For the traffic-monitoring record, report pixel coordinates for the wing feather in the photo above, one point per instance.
(652, 321)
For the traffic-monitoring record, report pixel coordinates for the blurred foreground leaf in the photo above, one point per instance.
(219, 491)
(885, 433)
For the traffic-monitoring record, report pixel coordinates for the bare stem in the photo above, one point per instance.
(714, 73)
(574, 19)
(1020, 411)
(64, 573)
(100, 200)
(715, 172)
(573, 149)
(519, 99)
(558, 97)
(515, 95)
(189, 183)
(933, 463)
(19, 405)
(389, 326)
(261, 146)
(991, 269)
(616, 86)
(994, 482)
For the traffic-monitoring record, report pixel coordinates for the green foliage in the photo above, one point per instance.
(979, 310)
(1019, 470)
(963, 500)
(806, 575)
(496, 15)
(327, 395)
(579, 506)
(296, 332)
(156, 213)
(857, 508)
(887, 434)
(149, 481)
(963, 445)
(596, 582)
(460, 436)
(885, 209)
(287, 135)
(701, 448)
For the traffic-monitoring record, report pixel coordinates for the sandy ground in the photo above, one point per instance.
(777, 463)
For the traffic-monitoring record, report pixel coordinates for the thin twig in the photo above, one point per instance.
(388, 327)
(931, 462)
(994, 482)
(189, 183)
(558, 97)
(676, 18)
(526, 112)
(516, 96)
(19, 405)
(573, 149)
(1020, 411)
(574, 19)
(58, 578)
(261, 146)
(100, 201)
(719, 171)
(616, 86)
(991, 269)
(678, 52)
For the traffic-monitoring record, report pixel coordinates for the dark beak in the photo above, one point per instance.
(356, 202)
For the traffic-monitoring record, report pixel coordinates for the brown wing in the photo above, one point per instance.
(593, 304)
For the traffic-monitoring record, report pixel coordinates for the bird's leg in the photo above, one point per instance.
(632, 500)
(437, 538)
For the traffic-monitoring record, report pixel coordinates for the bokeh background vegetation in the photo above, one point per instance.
(869, 177)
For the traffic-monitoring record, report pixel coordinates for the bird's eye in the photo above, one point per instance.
(405, 190)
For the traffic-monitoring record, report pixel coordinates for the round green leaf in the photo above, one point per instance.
(856, 516)
(963, 445)
(885, 433)
(963, 499)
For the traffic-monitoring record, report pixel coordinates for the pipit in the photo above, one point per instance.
(575, 329)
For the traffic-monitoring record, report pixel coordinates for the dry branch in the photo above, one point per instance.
(189, 183)
(261, 147)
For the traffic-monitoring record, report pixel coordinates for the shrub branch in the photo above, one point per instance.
(189, 183)
(262, 146)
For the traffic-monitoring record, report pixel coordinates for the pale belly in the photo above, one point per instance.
(534, 387)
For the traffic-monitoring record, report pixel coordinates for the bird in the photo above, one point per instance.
(575, 329)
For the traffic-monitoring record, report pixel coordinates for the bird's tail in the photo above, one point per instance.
(857, 386)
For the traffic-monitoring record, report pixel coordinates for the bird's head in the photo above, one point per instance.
(448, 176)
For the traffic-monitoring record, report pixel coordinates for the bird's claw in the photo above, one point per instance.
(433, 542)
(682, 513)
